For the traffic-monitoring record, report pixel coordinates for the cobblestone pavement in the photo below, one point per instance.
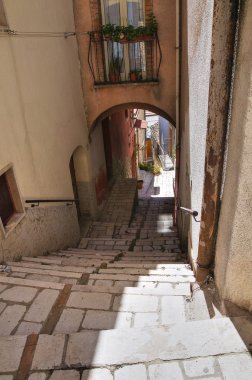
(123, 305)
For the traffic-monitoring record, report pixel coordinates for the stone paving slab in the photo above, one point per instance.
(10, 318)
(89, 300)
(2, 287)
(133, 346)
(11, 349)
(104, 320)
(69, 322)
(49, 352)
(19, 294)
(136, 303)
(41, 307)
(27, 328)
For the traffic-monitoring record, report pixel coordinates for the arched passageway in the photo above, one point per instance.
(80, 180)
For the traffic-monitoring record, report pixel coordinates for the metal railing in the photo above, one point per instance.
(36, 202)
(124, 61)
(189, 211)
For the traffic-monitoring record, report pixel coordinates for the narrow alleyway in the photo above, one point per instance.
(123, 305)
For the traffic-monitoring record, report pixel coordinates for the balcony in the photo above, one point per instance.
(124, 61)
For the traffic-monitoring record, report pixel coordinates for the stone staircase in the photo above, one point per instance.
(123, 305)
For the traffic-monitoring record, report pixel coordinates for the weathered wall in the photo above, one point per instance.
(195, 73)
(98, 167)
(44, 229)
(162, 95)
(233, 251)
(42, 115)
(41, 109)
(122, 142)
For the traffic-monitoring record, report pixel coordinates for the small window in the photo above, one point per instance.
(6, 204)
(3, 21)
(11, 206)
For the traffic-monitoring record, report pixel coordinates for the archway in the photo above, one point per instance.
(124, 136)
(131, 105)
(80, 180)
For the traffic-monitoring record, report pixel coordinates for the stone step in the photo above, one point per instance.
(53, 267)
(87, 257)
(43, 259)
(57, 273)
(94, 349)
(32, 283)
(144, 288)
(136, 278)
(139, 254)
(158, 248)
(149, 272)
(67, 261)
(88, 252)
(105, 245)
(123, 264)
(152, 260)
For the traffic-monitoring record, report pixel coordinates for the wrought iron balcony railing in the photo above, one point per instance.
(125, 61)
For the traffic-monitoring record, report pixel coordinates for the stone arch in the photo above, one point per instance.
(139, 105)
(80, 179)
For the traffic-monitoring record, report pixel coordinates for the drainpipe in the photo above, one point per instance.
(178, 44)
(224, 29)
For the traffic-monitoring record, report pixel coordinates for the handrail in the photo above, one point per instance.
(36, 202)
(189, 211)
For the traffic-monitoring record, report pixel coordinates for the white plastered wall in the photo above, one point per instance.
(233, 264)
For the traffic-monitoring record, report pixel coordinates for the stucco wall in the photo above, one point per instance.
(44, 229)
(42, 115)
(195, 73)
(98, 168)
(41, 108)
(233, 266)
(162, 95)
(122, 143)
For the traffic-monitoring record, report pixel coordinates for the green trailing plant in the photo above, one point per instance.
(152, 25)
(145, 166)
(115, 65)
(108, 30)
(155, 169)
(130, 32)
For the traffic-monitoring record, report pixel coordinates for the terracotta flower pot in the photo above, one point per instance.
(133, 77)
(114, 77)
(140, 184)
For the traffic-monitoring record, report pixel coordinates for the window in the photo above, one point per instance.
(11, 207)
(6, 203)
(131, 56)
(3, 21)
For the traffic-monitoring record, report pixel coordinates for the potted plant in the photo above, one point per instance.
(108, 31)
(115, 67)
(135, 75)
(140, 184)
(130, 33)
